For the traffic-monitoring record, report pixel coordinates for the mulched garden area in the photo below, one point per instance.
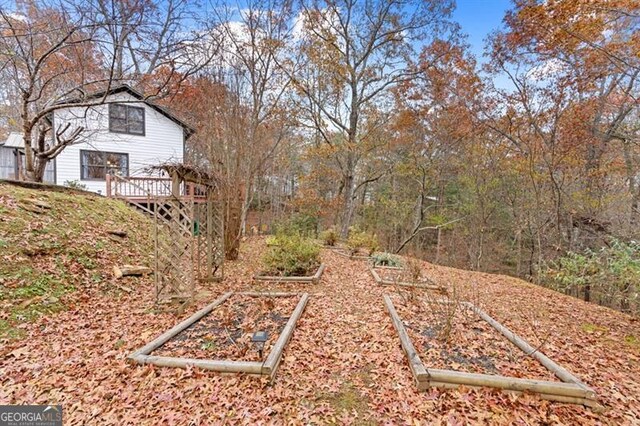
(455, 338)
(225, 333)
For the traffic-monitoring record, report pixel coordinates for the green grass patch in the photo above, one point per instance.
(592, 328)
(348, 399)
(632, 341)
(8, 331)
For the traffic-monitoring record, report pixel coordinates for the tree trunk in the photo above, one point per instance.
(245, 212)
(632, 179)
(232, 227)
(348, 202)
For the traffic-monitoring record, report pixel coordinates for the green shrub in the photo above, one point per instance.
(362, 240)
(329, 237)
(387, 259)
(612, 275)
(298, 224)
(292, 255)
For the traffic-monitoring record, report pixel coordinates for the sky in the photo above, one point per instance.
(478, 18)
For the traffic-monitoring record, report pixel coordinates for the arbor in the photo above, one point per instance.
(351, 55)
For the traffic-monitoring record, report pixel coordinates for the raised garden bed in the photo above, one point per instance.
(396, 276)
(353, 256)
(298, 279)
(477, 351)
(218, 337)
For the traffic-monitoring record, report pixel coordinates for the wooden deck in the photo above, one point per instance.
(149, 190)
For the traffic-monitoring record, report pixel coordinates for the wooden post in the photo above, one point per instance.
(570, 391)
(556, 369)
(210, 231)
(108, 182)
(175, 186)
(250, 367)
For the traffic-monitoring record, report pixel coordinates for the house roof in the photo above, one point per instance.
(124, 88)
(14, 140)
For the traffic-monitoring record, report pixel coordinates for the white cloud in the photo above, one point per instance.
(546, 69)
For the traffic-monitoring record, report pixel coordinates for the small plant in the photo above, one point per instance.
(292, 255)
(414, 269)
(445, 311)
(208, 345)
(362, 240)
(75, 184)
(271, 240)
(329, 237)
(387, 259)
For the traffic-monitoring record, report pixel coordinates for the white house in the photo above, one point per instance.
(124, 137)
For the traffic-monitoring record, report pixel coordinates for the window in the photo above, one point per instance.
(94, 165)
(126, 119)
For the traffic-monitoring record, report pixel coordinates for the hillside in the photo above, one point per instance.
(68, 327)
(56, 247)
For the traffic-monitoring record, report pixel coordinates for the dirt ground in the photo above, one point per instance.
(343, 365)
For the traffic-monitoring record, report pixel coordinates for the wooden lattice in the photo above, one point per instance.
(189, 238)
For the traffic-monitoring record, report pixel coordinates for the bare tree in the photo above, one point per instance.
(352, 54)
(145, 36)
(55, 56)
(253, 42)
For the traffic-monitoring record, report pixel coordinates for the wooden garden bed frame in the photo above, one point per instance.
(381, 281)
(570, 390)
(268, 367)
(341, 252)
(313, 279)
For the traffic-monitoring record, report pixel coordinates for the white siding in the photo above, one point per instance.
(163, 141)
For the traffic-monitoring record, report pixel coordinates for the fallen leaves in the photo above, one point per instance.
(343, 364)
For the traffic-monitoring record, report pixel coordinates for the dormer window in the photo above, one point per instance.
(126, 119)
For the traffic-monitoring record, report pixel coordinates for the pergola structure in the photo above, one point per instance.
(189, 231)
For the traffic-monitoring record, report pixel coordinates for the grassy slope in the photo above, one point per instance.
(46, 256)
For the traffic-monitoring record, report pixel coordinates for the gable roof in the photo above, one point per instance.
(14, 140)
(125, 88)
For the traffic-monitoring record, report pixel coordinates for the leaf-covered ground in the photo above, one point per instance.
(401, 276)
(453, 337)
(344, 364)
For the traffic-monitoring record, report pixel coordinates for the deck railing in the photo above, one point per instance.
(148, 188)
